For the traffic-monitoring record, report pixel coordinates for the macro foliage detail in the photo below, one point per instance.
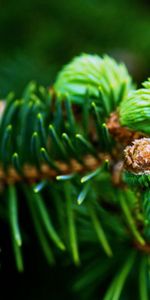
(78, 154)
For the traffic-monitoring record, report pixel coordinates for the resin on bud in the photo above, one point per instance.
(98, 77)
(137, 163)
(134, 111)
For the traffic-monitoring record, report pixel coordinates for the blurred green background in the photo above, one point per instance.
(38, 37)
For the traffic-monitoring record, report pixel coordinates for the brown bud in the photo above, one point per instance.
(137, 156)
(119, 132)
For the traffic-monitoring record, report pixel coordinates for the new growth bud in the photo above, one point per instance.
(134, 111)
(95, 77)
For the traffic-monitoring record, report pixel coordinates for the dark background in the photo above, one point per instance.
(36, 39)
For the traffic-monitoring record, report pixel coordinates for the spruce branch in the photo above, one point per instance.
(78, 152)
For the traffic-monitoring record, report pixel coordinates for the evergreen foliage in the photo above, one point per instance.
(59, 159)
